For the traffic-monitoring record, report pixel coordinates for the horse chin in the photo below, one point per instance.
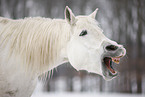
(107, 74)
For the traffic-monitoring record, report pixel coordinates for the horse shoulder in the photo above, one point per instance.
(16, 85)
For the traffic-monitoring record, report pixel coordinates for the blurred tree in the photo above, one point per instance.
(139, 45)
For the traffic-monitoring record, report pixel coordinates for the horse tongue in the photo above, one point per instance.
(108, 65)
(116, 60)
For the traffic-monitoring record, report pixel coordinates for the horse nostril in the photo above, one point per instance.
(111, 48)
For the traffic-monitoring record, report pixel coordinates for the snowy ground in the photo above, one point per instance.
(39, 93)
(83, 95)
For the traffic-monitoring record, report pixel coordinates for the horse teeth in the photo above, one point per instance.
(116, 60)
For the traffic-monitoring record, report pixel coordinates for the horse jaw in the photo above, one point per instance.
(82, 58)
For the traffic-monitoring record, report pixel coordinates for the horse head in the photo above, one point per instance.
(89, 49)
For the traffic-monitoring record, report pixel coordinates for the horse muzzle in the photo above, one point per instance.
(112, 56)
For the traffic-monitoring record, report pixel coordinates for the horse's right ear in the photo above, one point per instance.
(93, 15)
(69, 16)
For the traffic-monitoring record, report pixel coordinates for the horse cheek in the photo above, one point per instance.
(77, 55)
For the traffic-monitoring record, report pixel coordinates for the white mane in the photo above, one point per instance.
(36, 41)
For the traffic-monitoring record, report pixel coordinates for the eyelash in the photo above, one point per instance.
(84, 32)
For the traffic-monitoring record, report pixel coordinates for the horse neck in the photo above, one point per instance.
(38, 44)
(58, 37)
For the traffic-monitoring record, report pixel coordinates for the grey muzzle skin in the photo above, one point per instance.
(111, 50)
(114, 53)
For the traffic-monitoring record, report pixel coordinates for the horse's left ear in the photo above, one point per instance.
(93, 15)
(69, 16)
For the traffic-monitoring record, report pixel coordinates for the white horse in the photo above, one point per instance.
(32, 46)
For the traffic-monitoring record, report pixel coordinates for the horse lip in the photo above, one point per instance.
(108, 75)
(113, 75)
(106, 72)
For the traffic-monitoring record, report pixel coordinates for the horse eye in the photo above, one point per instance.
(84, 32)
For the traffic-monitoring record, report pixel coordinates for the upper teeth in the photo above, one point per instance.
(116, 60)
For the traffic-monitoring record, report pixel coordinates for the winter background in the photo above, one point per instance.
(121, 20)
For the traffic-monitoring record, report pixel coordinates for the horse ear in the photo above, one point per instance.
(69, 16)
(93, 15)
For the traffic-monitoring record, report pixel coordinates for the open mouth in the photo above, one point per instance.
(109, 62)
